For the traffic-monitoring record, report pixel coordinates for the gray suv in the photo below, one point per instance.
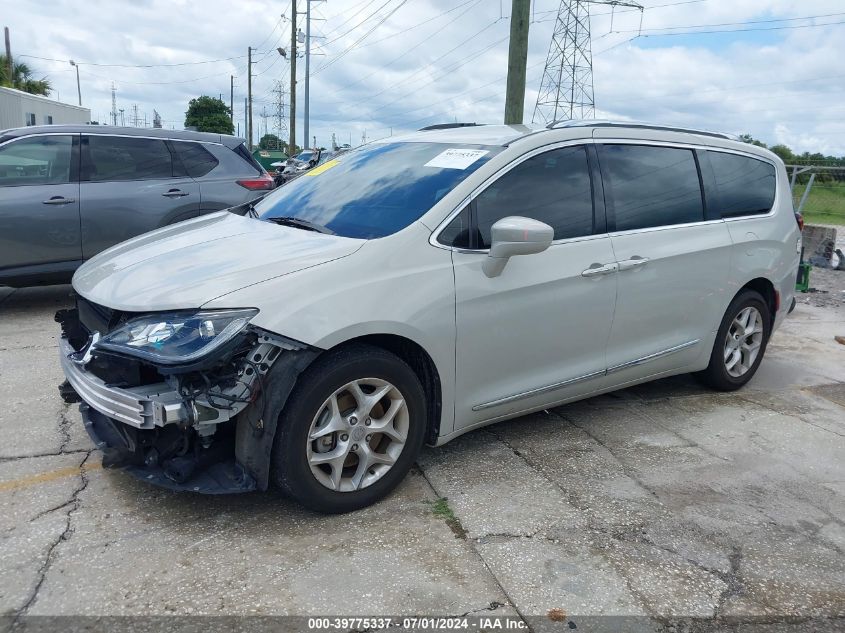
(69, 192)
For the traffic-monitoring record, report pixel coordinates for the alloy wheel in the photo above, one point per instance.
(743, 341)
(357, 434)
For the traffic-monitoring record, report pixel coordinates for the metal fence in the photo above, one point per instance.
(818, 193)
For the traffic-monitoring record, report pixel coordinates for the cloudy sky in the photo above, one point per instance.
(771, 68)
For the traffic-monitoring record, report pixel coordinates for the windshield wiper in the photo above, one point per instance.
(301, 224)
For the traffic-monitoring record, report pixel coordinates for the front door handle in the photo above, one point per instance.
(59, 200)
(635, 262)
(175, 193)
(600, 269)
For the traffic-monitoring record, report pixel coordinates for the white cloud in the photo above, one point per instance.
(780, 86)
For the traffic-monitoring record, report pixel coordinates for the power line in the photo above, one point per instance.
(361, 39)
(696, 26)
(206, 61)
(413, 48)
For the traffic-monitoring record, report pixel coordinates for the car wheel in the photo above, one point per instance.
(350, 431)
(740, 342)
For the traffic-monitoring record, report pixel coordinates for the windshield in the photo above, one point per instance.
(376, 190)
(304, 156)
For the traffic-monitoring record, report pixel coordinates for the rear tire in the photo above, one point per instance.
(740, 343)
(350, 431)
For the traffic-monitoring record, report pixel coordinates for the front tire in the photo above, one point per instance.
(350, 431)
(740, 343)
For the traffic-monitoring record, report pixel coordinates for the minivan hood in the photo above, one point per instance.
(190, 263)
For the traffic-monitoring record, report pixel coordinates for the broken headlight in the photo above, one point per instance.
(176, 337)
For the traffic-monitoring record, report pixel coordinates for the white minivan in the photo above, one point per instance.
(422, 286)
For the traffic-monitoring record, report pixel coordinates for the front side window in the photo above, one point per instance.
(125, 158)
(746, 186)
(376, 190)
(38, 160)
(553, 187)
(652, 186)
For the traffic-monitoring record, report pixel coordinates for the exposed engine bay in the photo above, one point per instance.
(204, 425)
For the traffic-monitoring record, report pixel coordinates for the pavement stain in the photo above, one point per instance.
(48, 476)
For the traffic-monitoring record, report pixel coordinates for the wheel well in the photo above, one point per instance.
(425, 369)
(767, 289)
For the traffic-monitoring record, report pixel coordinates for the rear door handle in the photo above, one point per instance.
(59, 200)
(175, 193)
(600, 269)
(635, 262)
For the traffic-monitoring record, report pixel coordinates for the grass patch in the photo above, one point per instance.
(440, 508)
(825, 204)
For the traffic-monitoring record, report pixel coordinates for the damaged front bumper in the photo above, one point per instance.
(205, 429)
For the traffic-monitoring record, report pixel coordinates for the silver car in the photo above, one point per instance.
(69, 191)
(417, 288)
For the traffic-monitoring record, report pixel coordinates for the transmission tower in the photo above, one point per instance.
(280, 116)
(566, 90)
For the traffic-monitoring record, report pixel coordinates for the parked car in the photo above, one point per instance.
(420, 287)
(69, 191)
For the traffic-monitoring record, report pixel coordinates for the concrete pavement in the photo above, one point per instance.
(664, 500)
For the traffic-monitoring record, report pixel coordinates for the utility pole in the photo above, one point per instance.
(246, 116)
(8, 52)
(232, 98)
(566, 90)
(292, 124)
(78, 89)
(517, 60)
(249, 93)
(113, 106)
(307, 66)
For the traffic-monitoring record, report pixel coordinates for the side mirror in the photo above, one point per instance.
(515, 235)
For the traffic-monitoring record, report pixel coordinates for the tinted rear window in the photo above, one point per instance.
(746, 186)
(196, 160)
(125, 158)
(652, 186)
(243, 152)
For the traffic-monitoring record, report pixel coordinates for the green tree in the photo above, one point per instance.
(209, 114)
(747, 138)
(784, 152)
(22, 78)
(270, 141)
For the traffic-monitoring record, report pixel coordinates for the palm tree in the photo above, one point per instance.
(22, 78)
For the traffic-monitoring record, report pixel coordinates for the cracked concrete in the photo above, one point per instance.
(657, 502)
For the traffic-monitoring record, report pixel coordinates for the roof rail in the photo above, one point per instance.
(564, 123)
(447, 126)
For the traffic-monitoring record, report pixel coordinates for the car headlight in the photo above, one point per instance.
(176, 337)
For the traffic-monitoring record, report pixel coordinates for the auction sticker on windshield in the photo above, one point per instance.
(456, 158)
(324, 167)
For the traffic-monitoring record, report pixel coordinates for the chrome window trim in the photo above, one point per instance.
(596, 374)
(490, 180)
(151, 138)
(98, 133)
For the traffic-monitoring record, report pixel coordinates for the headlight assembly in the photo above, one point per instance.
(176, 337)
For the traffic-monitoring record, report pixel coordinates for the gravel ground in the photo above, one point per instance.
(827, 290)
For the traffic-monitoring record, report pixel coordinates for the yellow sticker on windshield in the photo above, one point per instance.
(321, 168)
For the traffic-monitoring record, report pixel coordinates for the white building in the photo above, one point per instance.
(19, 109)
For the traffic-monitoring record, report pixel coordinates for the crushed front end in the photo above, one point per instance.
(180, 399)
